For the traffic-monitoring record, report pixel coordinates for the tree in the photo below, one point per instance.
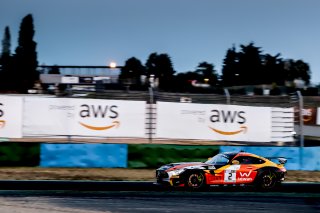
(208, 73)
(183, 81)
(54, 70)
(6, 43)
(6, 60)
(273, 70)
(132, 72)
(297, 70)
(244, 67)
(230, 68)
(250, 65)
(160, 66)
(25, 58)
(152, 65)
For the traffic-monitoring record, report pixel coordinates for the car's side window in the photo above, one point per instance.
(249, 160)
(222, 160)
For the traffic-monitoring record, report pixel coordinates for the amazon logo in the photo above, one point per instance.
(307, 115)
(105, 112)
(222, 116)
(2, 122)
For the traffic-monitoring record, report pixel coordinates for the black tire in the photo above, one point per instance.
(267, 180)
(195, 181)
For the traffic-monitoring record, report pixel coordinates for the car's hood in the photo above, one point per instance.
(181, 165)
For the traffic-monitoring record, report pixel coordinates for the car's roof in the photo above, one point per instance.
(231, 155)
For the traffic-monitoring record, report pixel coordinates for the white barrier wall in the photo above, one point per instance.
(10, 116)
(44, 116)
(84, 117)
(318, 116)
(213, 122)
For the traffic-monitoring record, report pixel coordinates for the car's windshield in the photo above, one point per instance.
(218, 159)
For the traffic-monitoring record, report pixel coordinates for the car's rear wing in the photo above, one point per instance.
(281, 160)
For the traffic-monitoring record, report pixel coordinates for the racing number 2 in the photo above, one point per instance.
(230, 176)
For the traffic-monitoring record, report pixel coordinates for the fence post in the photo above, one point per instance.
(226, 92)
(301, 134)
(151, 96)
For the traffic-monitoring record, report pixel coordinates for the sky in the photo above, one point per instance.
(97, 32)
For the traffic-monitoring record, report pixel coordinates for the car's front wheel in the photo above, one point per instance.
(195, 180)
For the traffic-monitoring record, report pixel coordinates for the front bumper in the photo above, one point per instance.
(165, 178)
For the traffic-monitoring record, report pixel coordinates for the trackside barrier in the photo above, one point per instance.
(41, 117)
(154, 155)
(310, 155)
(84, 155)
(139, 155)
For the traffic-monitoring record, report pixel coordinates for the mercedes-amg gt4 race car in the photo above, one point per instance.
(229, 168)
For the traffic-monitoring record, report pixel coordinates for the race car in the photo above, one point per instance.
(228, 168)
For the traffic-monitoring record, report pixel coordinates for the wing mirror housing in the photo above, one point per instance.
(235, 162)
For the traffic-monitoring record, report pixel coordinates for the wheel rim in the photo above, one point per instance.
(195, 180)
(268, 181)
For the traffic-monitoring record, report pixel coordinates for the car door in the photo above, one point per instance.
(247, 170)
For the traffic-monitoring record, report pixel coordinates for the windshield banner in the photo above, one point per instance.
(213, 122)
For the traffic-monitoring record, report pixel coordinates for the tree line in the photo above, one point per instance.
(246, 66)
(18, 71)
(240, 68)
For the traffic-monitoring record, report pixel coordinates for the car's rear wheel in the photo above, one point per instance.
(267, 180)
(195, 180)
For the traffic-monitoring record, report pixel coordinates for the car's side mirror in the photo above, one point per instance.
(235, 162)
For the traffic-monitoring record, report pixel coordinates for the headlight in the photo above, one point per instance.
(177, 172)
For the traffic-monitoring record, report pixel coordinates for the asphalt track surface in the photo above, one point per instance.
(123, 197)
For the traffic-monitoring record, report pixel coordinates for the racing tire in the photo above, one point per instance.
(266, 181)
(195, 181)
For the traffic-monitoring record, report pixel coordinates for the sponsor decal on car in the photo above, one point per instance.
(230, 174)
(245, 176)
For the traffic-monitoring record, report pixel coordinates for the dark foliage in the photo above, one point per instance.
(132, 72)
(54, 70)
(160, 66)
(25, 58)
(251, 67)
(6, 61)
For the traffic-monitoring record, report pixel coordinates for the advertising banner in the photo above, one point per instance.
(84, 117)
(309, 115)
(10, 117)
(318, 116)
(213, 122)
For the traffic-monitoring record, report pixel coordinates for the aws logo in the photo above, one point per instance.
(2, 122)
(222, 116)
(101, 113)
